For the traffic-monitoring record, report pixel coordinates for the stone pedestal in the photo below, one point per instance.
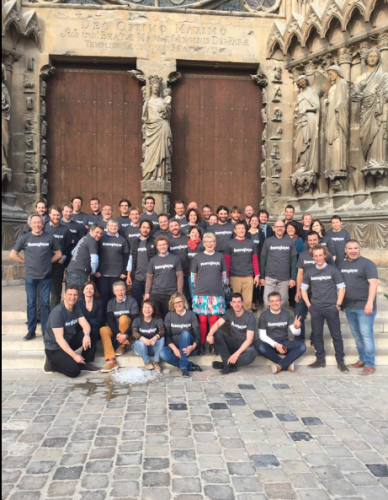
(13, 220)
(341, 200)
(380, 196)
(161, 191)
(360, 197)
(306, 202)
(322, 200)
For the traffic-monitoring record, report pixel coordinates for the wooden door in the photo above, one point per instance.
(94, 136)
(217, 128)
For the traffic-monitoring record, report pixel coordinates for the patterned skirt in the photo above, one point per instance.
(209, 305)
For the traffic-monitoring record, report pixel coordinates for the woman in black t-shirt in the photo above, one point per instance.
(148, 332)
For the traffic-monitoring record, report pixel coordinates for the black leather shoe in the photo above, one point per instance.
(343, 368)
(317, 364)
(185, 374)
(218, 365)
(228, 369)
(30, 336)
(195, 367)
(201, 349)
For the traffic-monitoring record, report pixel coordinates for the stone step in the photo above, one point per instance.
(16, 342)
(34, 360)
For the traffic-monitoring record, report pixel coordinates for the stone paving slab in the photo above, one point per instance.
(247, 436)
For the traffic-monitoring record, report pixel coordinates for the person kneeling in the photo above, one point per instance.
(148, 332)
(182, 335)
(235, 348)
(274, 324)
(121, 311)
(67, 330)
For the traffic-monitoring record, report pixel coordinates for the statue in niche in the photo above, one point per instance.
(157, 148)
(43, 88)
(29, 185)
(29, 126)
(275, 152)
(43, 128)
(30, 104)
(371, 91)
(30, 144)
(42, 107)
(278, 188)
(276, 169)
(44, 187)
(5, 133)
(43, 147)
(43, 166)
(337, 121)
(306, 119)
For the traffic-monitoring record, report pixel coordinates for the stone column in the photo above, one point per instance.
(382, 45)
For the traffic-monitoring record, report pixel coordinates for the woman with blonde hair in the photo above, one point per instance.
(182, 335)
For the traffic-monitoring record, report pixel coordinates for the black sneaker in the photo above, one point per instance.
(185, 374)
(47, 368)
(343, 368)
(195, 368)
(228, 369)
(88, 367)
(218, 365)
(30, 336)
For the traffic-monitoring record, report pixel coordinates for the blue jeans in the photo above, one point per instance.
(295, 349)
(361, 326)
(76, 279)
(138, 290)
(31, 291)
(145, 351)
(301, 310)
(168, 356)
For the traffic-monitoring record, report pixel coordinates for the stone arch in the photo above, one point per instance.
(293, 38)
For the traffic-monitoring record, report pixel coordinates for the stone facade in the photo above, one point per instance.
(281, 40)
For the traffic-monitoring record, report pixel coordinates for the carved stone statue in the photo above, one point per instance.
(43, 166)
(29, 185)
(337, 121)
(277, 115)
(157, 149)
(5, 134)
(371, 91)
(44, 187)
(29, 126)
(29, 167)
(43, 128)
(277, 75)
(306, 119)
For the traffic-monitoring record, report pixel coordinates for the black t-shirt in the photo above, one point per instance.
(178, 324)
(239, 326)
(142, 261)
(183, 222)
(62, 234)
(159, 232)
(114, 252)
(240, 252)
(60, 317)
(124, 222)
(305, 261)
(192, 253)
(91, 219)
(131, 233)
(77, 231)
(323, 285)
(80, 218)
(209, 269)
(38, 251)
(147, 330)
(279, 252)
(153, 218)
(80, 261)
(356, 274)
(276, 325)
(127, 307)
(224, 233)
(164, 271)
(339, 240)
(178, 247)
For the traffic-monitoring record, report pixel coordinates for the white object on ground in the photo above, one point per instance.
(136, 376)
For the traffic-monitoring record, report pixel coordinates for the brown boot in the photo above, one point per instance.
(368, 370)
(359, 364)
(110, 366)
(149, 366)
(120, 350)
(157, 367)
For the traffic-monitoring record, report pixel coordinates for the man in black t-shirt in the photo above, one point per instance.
(95, 217)
(236, 348)
(361, 279)
(67, 331)
(163, 230)
(149, 213)
(79, 216)
(40, 209)
(223, 230)
(77, 231)
(274, 324)
(41, 251)
(178, 247)
(327, 295)
(124, 219)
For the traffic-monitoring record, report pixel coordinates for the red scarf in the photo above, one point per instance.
(192, 244)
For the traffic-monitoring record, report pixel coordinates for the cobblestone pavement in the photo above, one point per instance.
(249, 436)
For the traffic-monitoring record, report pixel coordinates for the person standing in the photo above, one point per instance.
(142, 251)
(278, 261)
(179, 208)
(306, 223)
(40, 209)
(67, 330)
(258, 238)
(41, 251)
(178, 247)
(274, 324)
(289, 213)
(339, 237)
(223, 230)
(107, 213)
(114, 255)
(361, 280)
(293, 232)
(182, 335)
(208, 280)
(77, 231)
(193, 218)
(206, 213)
(95, 217)
(319, 227)
(63, 235)
(121, 312)
(148, 332)
(163, 226)
(132, 231)
(248, 212)
(164, 277)
(79, 216)
(242, 265)
(85, 258)
(124, 219)
(264, 226)
(327, 295)
(149, 213)
(237, 348)
(235, 214)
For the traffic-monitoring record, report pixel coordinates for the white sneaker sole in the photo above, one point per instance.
(111, 370)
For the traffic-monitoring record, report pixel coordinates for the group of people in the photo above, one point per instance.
(195, 280)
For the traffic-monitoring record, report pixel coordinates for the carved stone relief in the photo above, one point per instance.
(29, 167)
(29, 126)
(30, 148)
(6, 171)
(29, 185)
(277, 75)
(30, 103)
(277, 95)
(277, 115)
